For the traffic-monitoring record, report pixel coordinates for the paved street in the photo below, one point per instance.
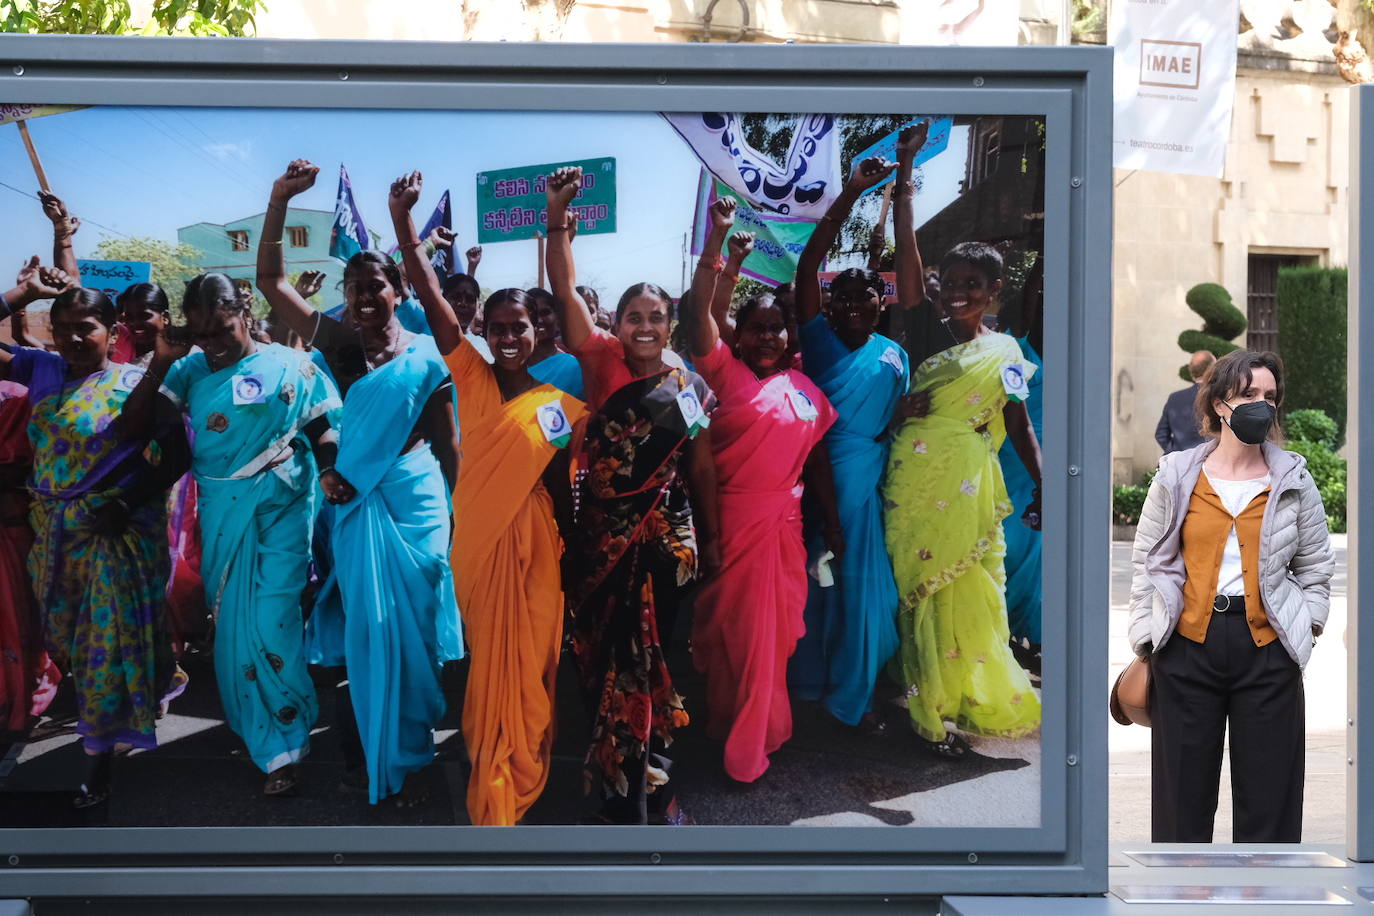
(828, 774)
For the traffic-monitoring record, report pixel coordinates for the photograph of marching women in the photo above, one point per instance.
(520, 468)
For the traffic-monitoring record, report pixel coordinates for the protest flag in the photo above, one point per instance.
(349, 235)
(442, 216)
(801, 188)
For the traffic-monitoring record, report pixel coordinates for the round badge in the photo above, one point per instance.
(248, 389)
(691, 407)
(217, 423)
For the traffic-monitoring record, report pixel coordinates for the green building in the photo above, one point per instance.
(232, 248)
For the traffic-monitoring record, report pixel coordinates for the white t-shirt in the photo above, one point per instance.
(1235, 496)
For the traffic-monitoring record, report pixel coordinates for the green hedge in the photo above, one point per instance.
(1312, 434)
(1312, 339)
(1127, 501)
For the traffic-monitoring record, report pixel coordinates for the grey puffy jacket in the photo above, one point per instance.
(1296, 562)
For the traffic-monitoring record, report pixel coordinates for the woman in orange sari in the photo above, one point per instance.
(513, 497)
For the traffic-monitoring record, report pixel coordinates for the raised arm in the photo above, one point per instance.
(739, 246)
(702, 332)
(64, 226)
(573, 316)
(405, 192)
(474, 256)
(866, 174)
(288, 306)
(33, 284)
(911, 290)
(138, 416)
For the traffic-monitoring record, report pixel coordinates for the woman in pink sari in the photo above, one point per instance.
(765, 436)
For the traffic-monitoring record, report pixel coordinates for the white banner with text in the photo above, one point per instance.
(1175, 84)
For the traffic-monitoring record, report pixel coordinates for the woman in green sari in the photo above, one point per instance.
(946, 499)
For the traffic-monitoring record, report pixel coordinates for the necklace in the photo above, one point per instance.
(384, 355)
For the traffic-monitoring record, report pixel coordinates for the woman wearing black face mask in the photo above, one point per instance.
(1233, 570)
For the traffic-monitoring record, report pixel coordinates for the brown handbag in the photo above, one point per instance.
(1130, 699)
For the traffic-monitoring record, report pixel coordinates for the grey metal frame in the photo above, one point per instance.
(1359, 831)
(1067, 854)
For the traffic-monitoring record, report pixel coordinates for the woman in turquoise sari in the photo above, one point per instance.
(946, 500)
(1024, 543)
(99, 560)
(258, 411)
(398, 441)
(851, 626)
(549, 363)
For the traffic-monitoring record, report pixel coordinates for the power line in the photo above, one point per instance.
(84, 220)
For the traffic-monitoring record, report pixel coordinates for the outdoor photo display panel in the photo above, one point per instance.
(715, 502)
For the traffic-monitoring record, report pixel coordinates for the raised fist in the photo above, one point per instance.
(299, 176)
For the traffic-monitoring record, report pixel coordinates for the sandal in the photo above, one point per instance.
(95, 784)
(282, 782)
(953, 747)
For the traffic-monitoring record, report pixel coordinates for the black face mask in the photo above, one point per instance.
(1251, 422)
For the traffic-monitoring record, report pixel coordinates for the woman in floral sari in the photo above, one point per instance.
(98, 565)
(636, 544)
(766, 437)
(946, 500)
(258, 411)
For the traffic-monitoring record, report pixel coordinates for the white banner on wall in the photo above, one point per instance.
(962, 22)
(1175, 83)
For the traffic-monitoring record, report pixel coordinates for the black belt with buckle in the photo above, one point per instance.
(1228, 603)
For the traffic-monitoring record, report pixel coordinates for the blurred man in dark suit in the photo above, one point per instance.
(1177, 429)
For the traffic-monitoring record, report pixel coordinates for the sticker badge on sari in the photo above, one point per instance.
(554, 424)
(249, 389)
(892, 360)
(690, 407)
(803, 405)
(128, 379)
(1014, 382)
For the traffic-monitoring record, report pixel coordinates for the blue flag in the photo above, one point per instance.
(442, 259)
(349, 235)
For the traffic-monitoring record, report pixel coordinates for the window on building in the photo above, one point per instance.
(985, 146)
(238, 238)
(1262, 298)
(299, 235)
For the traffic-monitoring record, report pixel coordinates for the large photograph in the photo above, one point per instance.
(520, 468)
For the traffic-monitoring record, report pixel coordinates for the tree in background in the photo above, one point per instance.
(1222, 323)
(115, 17)
(173, 265)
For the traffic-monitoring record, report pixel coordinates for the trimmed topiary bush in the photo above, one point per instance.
(1222, 322)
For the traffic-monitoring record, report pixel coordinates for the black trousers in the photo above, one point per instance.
(1197, 690)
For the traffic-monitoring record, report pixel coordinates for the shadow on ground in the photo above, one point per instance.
(197, 777)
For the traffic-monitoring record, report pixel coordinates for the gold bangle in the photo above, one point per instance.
(270, 242)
